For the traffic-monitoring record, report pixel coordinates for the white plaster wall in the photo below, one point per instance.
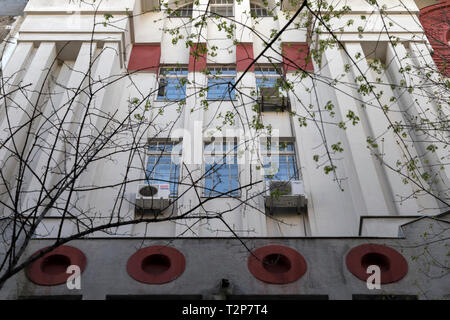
(331, 211)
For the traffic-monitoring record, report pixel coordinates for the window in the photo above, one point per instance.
(269, 84)
(172, 83)
(224, 8)
(257, 10)
(279, 161)
(221, 169)
(268, 77)
(182, 12)
(163, 164)
(220, 83)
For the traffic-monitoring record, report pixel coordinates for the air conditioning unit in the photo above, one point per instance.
(270, 99)
(285, 194)
(155, 197)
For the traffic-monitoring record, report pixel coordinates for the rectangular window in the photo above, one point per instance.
(224, 8)
(183, 12)
(221, 169)
(220, 83)
(163, 164)
(269, 85)
(279, 161)
(257, 10)
(172, 83)
(268, 77)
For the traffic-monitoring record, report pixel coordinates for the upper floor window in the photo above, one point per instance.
(269, 85)
(183, 12)
(224, 8)
(279, 161)
(257, 10)
(221, 169)
(220, 83)
(163, 164)
(172, 83)
(268, 77)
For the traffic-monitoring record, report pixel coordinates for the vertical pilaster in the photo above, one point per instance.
(97, 114)
(367, 184)
(417, 112)
(61, 121)
(390, 149)
(22, 114)
(14, 70)
(192, 167)
(253, 212)
(244, 21)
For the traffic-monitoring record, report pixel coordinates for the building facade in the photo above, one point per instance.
(259, 134)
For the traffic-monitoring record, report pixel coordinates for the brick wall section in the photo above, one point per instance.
(435, 21)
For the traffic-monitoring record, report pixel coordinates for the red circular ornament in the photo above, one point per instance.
(156, 264)
(393, 265)
(50, 269)
(276, 264)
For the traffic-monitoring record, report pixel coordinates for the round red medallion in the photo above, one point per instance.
(156, 264)
(276, 264)
(51, 269)
(393, 265)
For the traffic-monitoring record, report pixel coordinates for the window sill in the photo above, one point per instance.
(168, 100)
(221, 197)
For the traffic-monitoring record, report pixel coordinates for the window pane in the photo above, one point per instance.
(266, 82)
(162, 170)
(175, 89)
(259, 11)
(280, 167)
(220, 88)
(185, 11)
(221, 175)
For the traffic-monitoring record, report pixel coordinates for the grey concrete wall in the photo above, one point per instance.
(12, 7)
(210, 260)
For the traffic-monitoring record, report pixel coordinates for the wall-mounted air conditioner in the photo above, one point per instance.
(285, 195)
(270, 99)
(155, 197)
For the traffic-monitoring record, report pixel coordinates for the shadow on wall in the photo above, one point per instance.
(12, 7)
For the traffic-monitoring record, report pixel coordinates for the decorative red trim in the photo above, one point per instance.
(434, 20)
(197, 57)
(392, 264)
(432, 7)
(244, 56)
(295, 55)
(50, 269)
(290, 264)
(156, 265)
(145, 57)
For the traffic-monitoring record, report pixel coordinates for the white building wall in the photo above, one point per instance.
(368, 187)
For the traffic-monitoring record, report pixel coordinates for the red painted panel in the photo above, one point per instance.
(197, 57)
(294, 57)
(145, 58)
(244, 56)
(434, 20)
